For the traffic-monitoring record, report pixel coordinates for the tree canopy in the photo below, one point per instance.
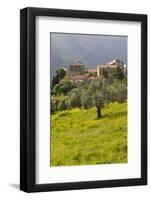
(67, 94)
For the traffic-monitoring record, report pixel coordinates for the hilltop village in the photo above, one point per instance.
(78, 72)
(80, 86)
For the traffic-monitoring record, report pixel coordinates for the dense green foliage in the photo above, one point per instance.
(118, 73)
(63, 87)
(79, 138)
(97, 93)
(60, 74)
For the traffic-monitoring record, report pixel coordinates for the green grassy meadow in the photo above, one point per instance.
(79, 138)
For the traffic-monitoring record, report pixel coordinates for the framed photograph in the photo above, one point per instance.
(83, 99)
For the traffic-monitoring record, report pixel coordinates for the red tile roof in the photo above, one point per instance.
(92, 78)
(92, 70)
(80, 77)
(84, 77)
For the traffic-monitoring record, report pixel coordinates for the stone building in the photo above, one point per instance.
(76, 69)
(110, 67)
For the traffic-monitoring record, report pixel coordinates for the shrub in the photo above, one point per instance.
(63, 87)
(58, 103)
(74, 98)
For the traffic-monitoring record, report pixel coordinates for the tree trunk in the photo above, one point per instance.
(98, 110)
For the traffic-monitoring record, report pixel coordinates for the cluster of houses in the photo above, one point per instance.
(79, 73)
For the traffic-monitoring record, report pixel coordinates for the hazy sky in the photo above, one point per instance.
(91, 50)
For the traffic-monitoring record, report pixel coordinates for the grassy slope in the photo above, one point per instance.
(78, 138)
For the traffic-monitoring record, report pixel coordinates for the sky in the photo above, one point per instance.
(89, 49)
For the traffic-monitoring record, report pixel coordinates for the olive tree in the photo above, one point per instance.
(58, 103)
(94, 95)
(74, 98)
(101, 92)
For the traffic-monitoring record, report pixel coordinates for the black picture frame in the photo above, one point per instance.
(28, 99)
